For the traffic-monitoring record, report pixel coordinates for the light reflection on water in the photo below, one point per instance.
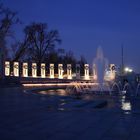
(60, 95)
(64, 100)
(126, 105)
(60, 92)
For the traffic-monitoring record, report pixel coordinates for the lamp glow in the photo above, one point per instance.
(127, 69)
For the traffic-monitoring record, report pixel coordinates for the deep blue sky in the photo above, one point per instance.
(86, 24)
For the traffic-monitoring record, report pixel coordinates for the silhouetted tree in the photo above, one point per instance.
(82, 61)
(7, 19)
(69, 58)
(19, 49)
(40, 40)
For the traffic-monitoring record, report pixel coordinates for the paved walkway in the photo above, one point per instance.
(26, 116)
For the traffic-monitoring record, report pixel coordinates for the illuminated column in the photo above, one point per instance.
(69, 73)
(25, 69)
(7, 68)
(43, 70)
(16, 69)
(86, 67)
(77, 71)
(112, 67)
(51, 70)
(60, 71)
(34, 70)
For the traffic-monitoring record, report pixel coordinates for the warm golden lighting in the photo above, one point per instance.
(43, 70)
(51, 84)
(7, 68)
(25, 69)
(60, 71)
(34, 70)
(69, 73)
(52, 71)
(16, 69)
(58, 84)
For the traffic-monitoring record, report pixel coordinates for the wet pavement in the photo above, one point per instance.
(24, 115)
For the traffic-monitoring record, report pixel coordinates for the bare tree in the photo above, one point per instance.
(19, 49)
(82, 62)
(40, 40)
(7, 19)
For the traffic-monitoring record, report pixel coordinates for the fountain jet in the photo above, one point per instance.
(100, 64)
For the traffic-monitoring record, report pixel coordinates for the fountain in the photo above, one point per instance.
(100, 64)
(116, 87)
(99, 83)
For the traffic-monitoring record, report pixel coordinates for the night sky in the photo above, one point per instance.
(86, 24)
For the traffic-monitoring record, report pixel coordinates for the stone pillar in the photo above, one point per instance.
(25, 69)
(43, 73)
(86, 67)
(77, 71)
(69, 71)
(51, 70)
(60, 71)
(34, 70)
(112, 71)
(16, 69)
(112, 67)
(7, 68)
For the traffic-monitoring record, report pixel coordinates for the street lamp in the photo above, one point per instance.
(128, 70)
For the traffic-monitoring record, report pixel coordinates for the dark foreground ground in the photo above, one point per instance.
(27, 116)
